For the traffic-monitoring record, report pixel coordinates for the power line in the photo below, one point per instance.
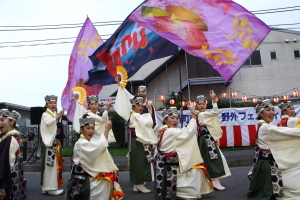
(60, 24)
(45, 40)
(284, 24)
(39, 29)
(28, 57)
(109, 23)
(276, 9)
(29, 45)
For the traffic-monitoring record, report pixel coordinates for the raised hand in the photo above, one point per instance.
(60, 114)
(213, 96)
(108, 105)
(149, 106)
(117, 79)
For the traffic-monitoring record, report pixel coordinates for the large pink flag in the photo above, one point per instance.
(88, 40)
(220, 31)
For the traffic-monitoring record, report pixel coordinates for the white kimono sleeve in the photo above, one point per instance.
(284, 144)
(211, 121)
(14, 146)
(186, 146)
(79, 111)
(48, 129)
(93, 156)
(143, 128)
(122, 105)
(293, 122)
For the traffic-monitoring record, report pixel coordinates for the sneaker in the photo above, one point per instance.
(217, 185)
(142, 188)
(55, 192)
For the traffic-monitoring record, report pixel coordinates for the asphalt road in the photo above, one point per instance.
(236, 187)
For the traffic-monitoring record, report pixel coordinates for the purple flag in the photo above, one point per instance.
(220, 31)
(88, 40)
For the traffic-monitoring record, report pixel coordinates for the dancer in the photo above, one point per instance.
(94, 173)
(275, 172)
(288, 118)
(209, 131)
(93, 110)
(51, 177)
(141, 136)
(142, 92)
(12, 182)
(180, 171)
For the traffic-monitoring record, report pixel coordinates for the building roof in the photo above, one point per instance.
(285, 30)
(14, 106)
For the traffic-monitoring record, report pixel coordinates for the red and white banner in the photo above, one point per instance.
(238, 124)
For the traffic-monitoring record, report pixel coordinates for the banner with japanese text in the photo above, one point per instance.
(238, 124)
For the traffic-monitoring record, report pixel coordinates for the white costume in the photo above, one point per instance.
(48, 134)
(284, 144)
(99, 121)
(143, 128)
(292, 122)
(94, 158)
(191, 181)
(212, 123)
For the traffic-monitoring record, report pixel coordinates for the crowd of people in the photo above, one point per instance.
(184, 163)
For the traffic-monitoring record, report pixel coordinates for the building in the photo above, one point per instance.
(271, 71)
(23, 110)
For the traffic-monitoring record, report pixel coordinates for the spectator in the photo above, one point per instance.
(31, 136)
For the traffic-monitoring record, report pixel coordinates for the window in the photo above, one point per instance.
(297, 53)
(273, 55)
(254, 59)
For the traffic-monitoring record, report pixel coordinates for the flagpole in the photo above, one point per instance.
(180, 83)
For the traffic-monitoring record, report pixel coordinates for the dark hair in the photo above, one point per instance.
(14, 124)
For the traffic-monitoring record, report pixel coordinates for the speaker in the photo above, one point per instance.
(35, 115)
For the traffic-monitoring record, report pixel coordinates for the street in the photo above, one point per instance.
(236, 187)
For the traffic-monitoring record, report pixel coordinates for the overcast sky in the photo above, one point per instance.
(29, 73)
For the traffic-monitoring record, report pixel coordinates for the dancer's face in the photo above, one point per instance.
(201, 106)
(267, 114)
(289, 111)
(137, 108)
(94, 107)
(6, 125)
(88, 131)
(52, 105)
(143, 94)
(171, 121)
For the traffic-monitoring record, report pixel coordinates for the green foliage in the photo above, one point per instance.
(114, 151)
(67, 152)
(118, 151)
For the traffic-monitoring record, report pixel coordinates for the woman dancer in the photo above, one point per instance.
(142, 136)
(12, 182)
(51, 178)
(209, 131)
(94, 173)
(93, 110)
(180, 172)
(288, 118)
(275, 172)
